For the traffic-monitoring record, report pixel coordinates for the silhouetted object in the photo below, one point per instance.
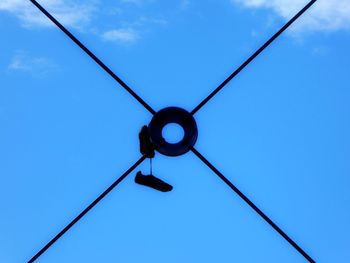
(147, 149)
(153, 182)
(146, 146)
(160, 119)
(173, 115)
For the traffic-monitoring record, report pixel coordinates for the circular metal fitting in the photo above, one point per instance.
(180, 117)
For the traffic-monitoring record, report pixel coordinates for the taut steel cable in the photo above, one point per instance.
(252, 205)
(93, 56)
(252, 57)
(87, 209)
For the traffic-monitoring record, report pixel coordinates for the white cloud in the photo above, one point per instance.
(38, 66)
(325, 15)
(122, 35)
(79, 13)
(69, 13)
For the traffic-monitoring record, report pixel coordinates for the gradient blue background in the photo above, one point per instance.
(279, 131)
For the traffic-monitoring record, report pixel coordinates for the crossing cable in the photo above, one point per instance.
(252, 57)
(86, 210)
(95, 58)
(253, 206)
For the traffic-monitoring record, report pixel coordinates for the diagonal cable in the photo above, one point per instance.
(91, 55)
(253, 206)
(252, 57)
(86, 210)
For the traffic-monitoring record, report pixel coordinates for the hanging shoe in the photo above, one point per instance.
(146, 146)
(153, 182)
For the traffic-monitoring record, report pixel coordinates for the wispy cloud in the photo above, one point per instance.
(131, 32)
(325, 15)
(121, 35)
(70, 13)
(34, 65)
(80, 13)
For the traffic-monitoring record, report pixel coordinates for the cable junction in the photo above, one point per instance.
(177, 115)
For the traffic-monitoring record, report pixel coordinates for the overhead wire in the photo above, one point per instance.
(252, 57)
(252, 205)
(86, 210)
(94, 57)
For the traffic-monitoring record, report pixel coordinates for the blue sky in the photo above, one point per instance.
(279, 131)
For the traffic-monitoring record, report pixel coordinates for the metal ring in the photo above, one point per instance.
(178, 116)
